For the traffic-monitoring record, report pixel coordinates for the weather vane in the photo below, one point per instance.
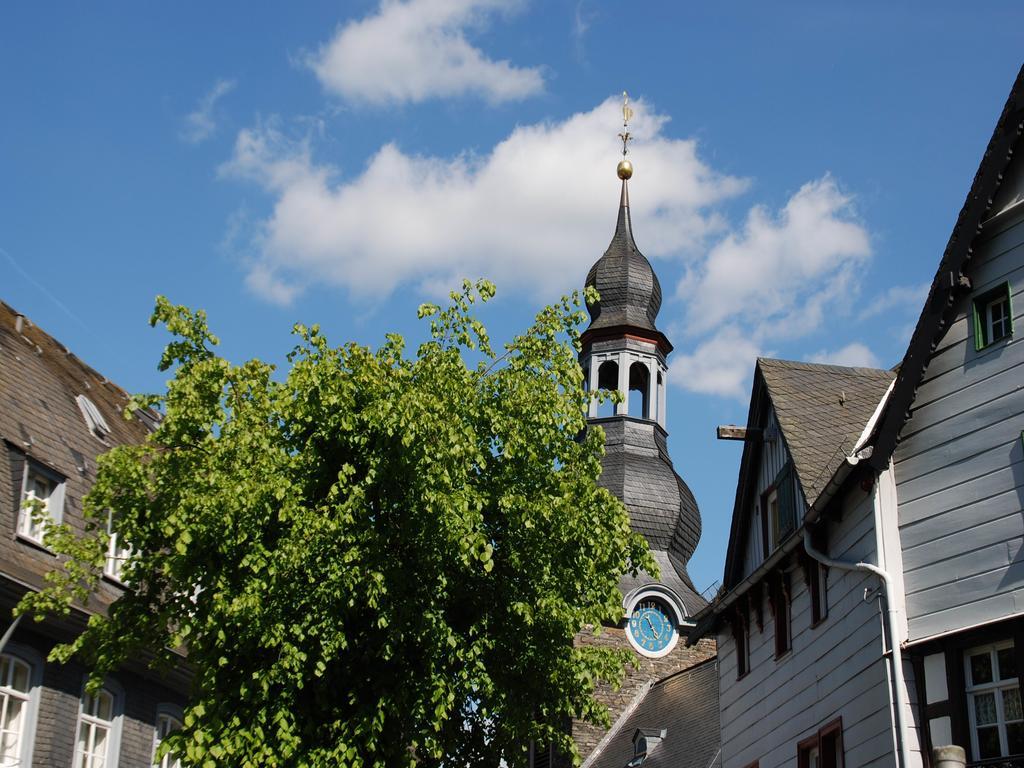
(627, 115)
(625, 169)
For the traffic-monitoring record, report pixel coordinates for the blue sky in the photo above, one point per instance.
(798, 171)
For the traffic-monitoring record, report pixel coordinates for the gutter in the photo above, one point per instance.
(900, 702)
(705, 618)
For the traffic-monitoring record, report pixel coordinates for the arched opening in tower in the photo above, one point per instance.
(639, 382)
(659, 403)
(607, 379)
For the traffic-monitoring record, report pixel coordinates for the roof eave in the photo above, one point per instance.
(940, 306)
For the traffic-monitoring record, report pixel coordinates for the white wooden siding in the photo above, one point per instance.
(774, 457)
(960, 466)
(836, 669)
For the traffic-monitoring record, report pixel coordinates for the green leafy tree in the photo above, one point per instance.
(380, 560)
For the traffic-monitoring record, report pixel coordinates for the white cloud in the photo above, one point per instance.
(901, 298)
(533, 214)
(201, 123)
(779, 262)
(417, 50)
(580, 27)
(538, 209)
(722, 365)
(854, 354)
(781, 277)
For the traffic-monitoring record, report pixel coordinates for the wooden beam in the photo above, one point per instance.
(732, 432)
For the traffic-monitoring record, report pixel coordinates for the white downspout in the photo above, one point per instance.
(892, 618)
(9, 632)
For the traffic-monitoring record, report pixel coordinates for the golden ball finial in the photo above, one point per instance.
(625, 169)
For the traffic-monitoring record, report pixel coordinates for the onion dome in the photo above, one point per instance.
(637, 469)
(630, 294)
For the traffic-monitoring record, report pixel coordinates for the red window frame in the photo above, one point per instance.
(829, 742)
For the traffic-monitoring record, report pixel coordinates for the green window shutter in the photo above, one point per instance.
(979, 339)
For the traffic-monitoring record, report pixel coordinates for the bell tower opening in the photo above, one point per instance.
(623, 350)
(639, 388)
(607, 379)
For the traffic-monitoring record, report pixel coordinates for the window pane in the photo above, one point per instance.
(1011, 703)
(15, 708)
(10, 729)
(99, 745)
(998, 318)
(9, 748)
(830, 756)
(83, 745)
(19, 676)
(985, 708)
(981, 668)
(1015, 738)
(1007, 663)
(988, 742)
(105, 710)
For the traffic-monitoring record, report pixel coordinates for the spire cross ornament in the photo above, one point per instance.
(627, 115)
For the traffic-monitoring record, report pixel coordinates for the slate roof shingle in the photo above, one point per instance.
(636, 468)
(822, 411)
(630, 291)
(686, 706)
(40, 419)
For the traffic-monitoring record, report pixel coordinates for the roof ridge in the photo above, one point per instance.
(692, 668)
(68, 354)
(833, 368)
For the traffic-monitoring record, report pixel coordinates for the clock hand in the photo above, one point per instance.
(651, 625)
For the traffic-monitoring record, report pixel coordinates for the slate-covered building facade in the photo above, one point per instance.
(873, 600)
(623, 349)
(56, 416)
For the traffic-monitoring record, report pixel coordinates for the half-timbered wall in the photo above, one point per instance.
(836, 669)
(959, 465)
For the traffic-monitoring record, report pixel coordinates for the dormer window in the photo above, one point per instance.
(644, 742)
(93, 418)
(42, 501)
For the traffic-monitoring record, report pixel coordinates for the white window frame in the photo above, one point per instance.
(53, 504)
(117, 553)
(169, 718)
(30, 701)
(998, 685)
(84, 759)
(1002, 302)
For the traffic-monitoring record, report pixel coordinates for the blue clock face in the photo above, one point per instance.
(651, 627)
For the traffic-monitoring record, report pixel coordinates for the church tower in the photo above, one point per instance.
(622, 349)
